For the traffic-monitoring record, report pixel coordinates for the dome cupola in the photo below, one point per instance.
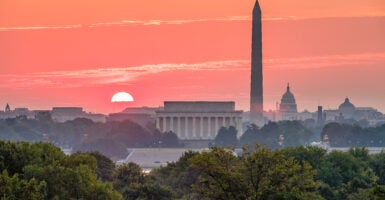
(288, 103)
(347, 109)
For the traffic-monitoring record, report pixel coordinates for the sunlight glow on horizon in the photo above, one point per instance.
(72, 52)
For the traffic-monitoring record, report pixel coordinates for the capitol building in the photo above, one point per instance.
(288, 106)
(346, 111)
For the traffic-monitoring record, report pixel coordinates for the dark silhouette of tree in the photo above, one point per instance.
(169, 139)
(226, 137)
(251, 137)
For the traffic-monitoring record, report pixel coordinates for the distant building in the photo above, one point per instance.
(321, 116)
(142, 119)
(62, 114)
(58, 114)
(347, 109)
(17, 112)
(198, 120)
(143, 116)
(288, 106)
(142, 110)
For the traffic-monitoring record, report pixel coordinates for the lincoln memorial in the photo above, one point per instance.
(198, 120)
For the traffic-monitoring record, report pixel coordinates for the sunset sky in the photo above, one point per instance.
(80, 53)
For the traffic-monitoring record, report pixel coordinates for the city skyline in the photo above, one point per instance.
(327, 51)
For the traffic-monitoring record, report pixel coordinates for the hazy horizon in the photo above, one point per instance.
(80, 54)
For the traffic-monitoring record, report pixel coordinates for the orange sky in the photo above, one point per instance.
(79, 53)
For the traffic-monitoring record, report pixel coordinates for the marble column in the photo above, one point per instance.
(194, 128)
(186, 130)
(164, 124)
(171, 124)
(201, 128)
(157, 123)
(179, 128)
(209, 127)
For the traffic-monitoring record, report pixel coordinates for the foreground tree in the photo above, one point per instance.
(132, 184)
(15, 188)
(177, 175)
(263, 174)
(272, 176)
(43, 169)
(105, 166)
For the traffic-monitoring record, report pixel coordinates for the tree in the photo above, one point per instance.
(169, 139)
(346, 173)
(270, 134)
(263, 174)
(177, 175)
(44, 169)
(219, 175)
(126, 175)
(130, 181)
(112, 148)
(105, 166)
(315, 156)
(226, 137)
(378, 165)
(272, 176)
(251, 136)
(295, 133)
(12, 187)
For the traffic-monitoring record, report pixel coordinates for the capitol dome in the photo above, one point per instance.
(288, 103)
(347, 108)
(288, 97)
(347, 105)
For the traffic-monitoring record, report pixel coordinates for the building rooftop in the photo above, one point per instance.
(199, 106)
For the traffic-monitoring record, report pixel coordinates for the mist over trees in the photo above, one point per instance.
(113, 138)
(110, 138)
(347, 135)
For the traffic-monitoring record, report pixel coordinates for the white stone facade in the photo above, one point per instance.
(198, 120)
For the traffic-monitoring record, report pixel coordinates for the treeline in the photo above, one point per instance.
(294, 133)
(289, 173)
(273, 135)
(113, 138)
(39, 171)
(346, 135)
(110, 138)
(42, 171)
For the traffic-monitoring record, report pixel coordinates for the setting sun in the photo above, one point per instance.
(122, 97)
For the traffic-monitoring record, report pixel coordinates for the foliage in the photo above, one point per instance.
(226, 137)
(177, 175)
(263, 174)
(251, 136)
(12, 187)
(105, 166)
(45, 172)
(169, 139)
(111, 138)
(348, 135)
(130, 181)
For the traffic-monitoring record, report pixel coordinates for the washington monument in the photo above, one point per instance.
(256, 90)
